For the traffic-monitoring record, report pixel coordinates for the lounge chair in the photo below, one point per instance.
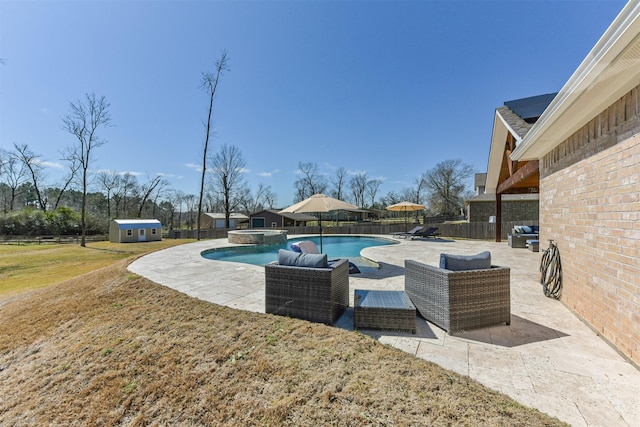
(410, 233)
(466, 292)
(429, 232)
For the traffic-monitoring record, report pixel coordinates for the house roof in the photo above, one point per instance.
(508, 122)
(293, 216)
(234, 215)
(529, 109)
(607, 73)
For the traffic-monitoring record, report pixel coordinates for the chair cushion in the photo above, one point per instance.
(296, 259)
(465, 262)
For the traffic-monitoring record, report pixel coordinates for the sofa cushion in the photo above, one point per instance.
(526, 229)
(296, 259)
(465, 262)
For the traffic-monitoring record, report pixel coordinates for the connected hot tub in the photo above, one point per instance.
(257, 237)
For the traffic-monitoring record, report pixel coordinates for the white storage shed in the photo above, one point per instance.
(134, 230)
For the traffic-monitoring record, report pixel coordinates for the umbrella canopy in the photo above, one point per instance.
(319, 203)
(405, 207)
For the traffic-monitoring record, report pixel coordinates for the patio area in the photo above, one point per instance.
(547, 358)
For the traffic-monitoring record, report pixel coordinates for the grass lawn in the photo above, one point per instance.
(102, 346)
(29, 267)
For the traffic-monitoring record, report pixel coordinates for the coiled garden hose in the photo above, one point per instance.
(551, 271)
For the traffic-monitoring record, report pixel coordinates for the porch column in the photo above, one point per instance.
(498, 217)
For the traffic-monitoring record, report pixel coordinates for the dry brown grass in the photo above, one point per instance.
(111, 348)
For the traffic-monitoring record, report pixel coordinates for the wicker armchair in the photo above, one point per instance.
(314, 294)
(459, 300)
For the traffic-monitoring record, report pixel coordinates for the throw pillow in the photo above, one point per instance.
(465, 262)
(526, 229)
(296, 259)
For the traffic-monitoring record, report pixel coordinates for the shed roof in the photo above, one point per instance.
(124, 224)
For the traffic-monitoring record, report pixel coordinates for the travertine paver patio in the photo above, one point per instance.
(547, 358)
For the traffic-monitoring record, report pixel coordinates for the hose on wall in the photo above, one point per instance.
(551, 271)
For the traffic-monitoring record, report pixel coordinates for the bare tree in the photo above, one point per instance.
(147, 189)
(73, 168)
(3, 159)
(33, 164)
(159, 191)
(191, 204)
(125, 186)
(83, 121)
(109, 181)
(421, 184)
(310, 181)
(373, 186)
(339, 183)
(210, 83)
(446, 184)
(358, 184)
(15, 174)
(263, 198)
(228, 178)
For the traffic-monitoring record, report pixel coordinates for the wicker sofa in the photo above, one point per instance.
(459, 300)
(310, 293)
(520, 234)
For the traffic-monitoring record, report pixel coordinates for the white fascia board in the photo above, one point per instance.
(498, 139)
(590, 89)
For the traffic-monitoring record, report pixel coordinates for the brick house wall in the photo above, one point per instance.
(521, 210)
(590, 205)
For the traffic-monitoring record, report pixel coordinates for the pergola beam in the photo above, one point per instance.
(510, 184)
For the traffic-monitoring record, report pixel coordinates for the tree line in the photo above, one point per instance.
(83, 202)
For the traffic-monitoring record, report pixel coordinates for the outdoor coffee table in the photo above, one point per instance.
(390, 310)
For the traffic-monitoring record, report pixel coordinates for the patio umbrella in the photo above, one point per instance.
(319, 203)
(405, 207)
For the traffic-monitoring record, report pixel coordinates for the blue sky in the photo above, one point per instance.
(389, 88)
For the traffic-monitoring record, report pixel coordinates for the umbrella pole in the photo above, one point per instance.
(405, 220)
(320, 221)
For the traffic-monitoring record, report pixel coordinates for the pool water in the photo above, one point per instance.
(333, 246)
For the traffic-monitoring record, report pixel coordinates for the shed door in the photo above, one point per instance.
(142, 235)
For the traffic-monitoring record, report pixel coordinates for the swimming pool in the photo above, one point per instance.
(333, 246)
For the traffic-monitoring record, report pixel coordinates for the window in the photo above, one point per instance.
(129, 232)
(153, 231)
(274, 224)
